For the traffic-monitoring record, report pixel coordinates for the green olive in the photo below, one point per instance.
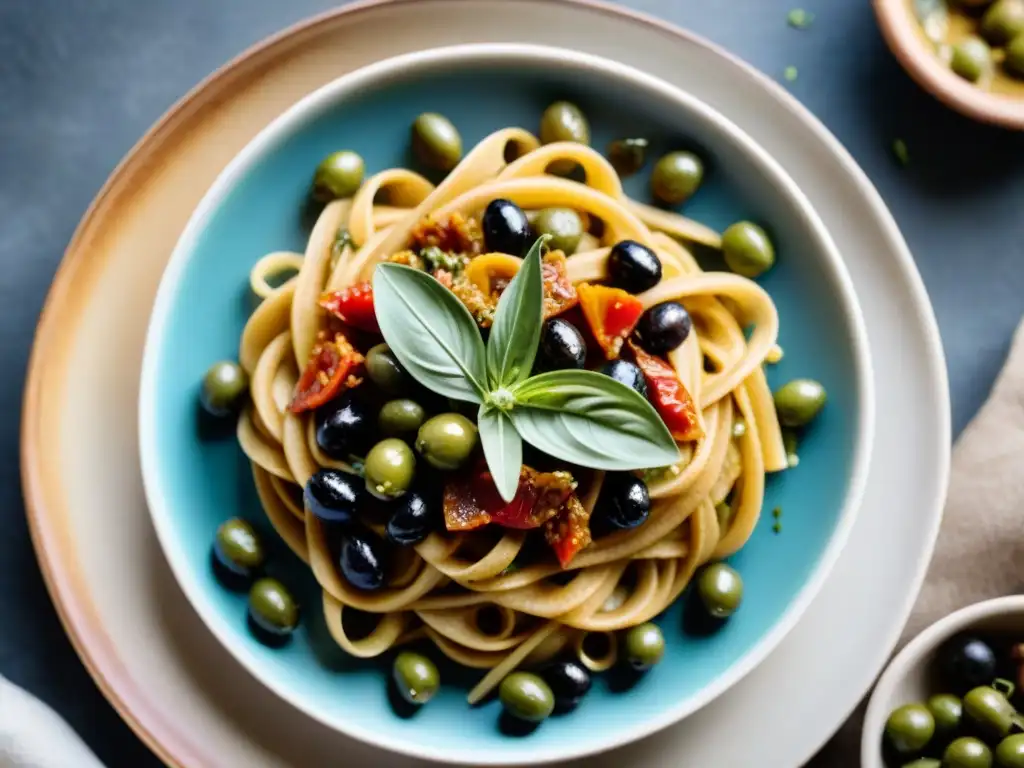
(385, 371)
(1014, 61)
(416, 677)
(564, 121)
(338, 175)
(721, 590)
(272, 607)
(1010, 752)
(399, 417)
(224, 386)
(797, 402)
(389, 468)
(447, 440)
(676, 176)
(909, 728)
(436, 142)
(563, 224)
(947, 711)
(988, 709)
(238, 548)
(972, 59)
(643, 646)
(967, 752)
(1003, 21)
(627, 156)
(747, 250)
(526, 696)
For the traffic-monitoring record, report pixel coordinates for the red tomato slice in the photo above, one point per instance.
(329, 371)
(354, 306)
(611, 313)
(670, 397)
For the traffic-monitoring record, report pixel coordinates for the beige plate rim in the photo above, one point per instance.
(80, 269)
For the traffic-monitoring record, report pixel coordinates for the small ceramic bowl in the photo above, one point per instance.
(909, 676)
(904, 35)
(192, 485)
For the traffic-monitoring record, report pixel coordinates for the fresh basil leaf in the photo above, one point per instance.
(515, 335)
(430, 331)
(590, 419)
(503, 449)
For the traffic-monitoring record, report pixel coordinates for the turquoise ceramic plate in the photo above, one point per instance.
(193, 484)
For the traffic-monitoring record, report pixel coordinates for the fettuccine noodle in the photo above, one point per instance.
(462, 591)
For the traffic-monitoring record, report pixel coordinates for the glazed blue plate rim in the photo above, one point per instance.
(445, 59)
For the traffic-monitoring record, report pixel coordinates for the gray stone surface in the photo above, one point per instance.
(81, 80)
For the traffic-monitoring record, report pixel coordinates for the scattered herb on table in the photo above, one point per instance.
(798, 18)
(777, 528)
(790, 74)
(777, 513)
(899, 151)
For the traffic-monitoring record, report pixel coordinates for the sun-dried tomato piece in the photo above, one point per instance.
(569, 531)
(559, 292)
(455, 234)
(669, 395)
(330, 370)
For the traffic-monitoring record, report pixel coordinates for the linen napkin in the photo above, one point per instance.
(34, 736)
(981, 524)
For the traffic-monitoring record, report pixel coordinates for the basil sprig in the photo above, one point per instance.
(581, 417)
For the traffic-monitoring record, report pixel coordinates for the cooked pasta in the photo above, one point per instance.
(479, 595)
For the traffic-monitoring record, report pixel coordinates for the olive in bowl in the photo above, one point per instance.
(224, 387)
(334, 496)
(506, 228)
(238, 553)
(273, 611)
(626, 372)
(633, 266)
(663, 327)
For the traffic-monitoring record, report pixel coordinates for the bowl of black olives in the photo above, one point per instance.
(954, 696)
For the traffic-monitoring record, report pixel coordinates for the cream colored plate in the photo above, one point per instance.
(162, 669)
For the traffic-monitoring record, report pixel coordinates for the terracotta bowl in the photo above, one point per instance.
(902, 32)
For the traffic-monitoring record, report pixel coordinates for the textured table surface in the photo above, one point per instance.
(81, 80)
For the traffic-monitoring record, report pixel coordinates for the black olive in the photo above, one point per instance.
(362, 561)
(412, 519)
(561, 346)
(569, 681)
(626, 373)
(663, 327)
(345, 427)
(968, 662)
(506, 228)
(633, 267)
(334, 496)
(624, 501)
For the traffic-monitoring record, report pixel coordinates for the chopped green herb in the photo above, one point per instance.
(798, 18)
(777, 513)
(510, 568)
(437, 259)
(777, 527)
(790, 74)
(899, 151)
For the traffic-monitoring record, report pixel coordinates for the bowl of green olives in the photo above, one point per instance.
(969, 54)
(954, 696)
